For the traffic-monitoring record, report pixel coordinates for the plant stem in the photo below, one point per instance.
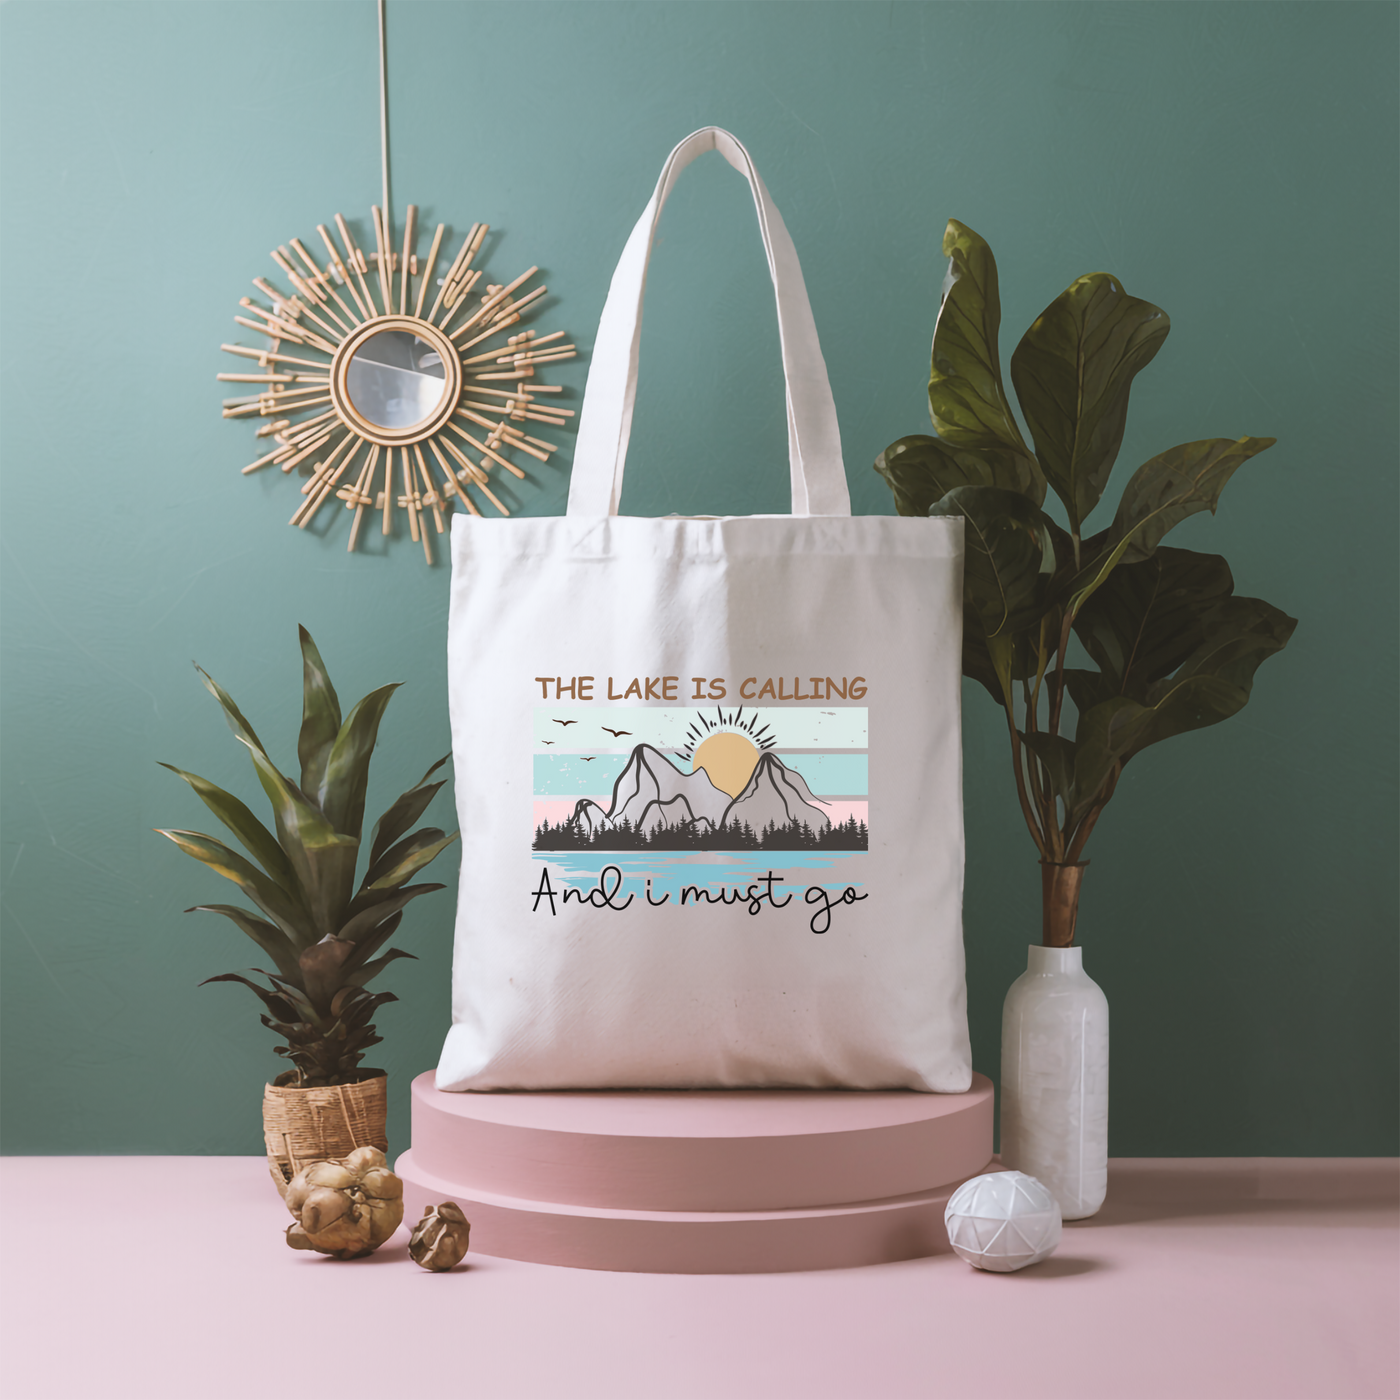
(1086, 827)
(1036, 834)
(1042, 789)
(1057, 685)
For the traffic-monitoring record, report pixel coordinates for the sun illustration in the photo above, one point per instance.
(727, 748)
(388, 383)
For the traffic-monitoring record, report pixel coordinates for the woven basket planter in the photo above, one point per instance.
(321, 1125)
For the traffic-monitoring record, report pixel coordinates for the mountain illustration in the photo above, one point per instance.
(652, 795)
(775, 793)
(652, 792)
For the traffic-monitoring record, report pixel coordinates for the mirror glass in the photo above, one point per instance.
(395, 380)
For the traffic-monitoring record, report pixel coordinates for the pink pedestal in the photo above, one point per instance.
(698, 1181)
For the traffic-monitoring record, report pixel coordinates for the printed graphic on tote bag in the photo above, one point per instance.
(691, 807)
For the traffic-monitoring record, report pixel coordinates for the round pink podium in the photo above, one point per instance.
(698, 1181)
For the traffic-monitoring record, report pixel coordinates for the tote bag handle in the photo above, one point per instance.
(605, 423)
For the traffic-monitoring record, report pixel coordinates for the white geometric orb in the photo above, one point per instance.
(1002, 1222)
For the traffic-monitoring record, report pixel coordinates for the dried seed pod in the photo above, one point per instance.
(439, 1239)
(345, 1209)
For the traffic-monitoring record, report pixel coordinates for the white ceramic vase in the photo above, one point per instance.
(1054, 1079)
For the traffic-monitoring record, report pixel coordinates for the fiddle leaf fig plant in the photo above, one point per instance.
(1174, 648)
(320, 930)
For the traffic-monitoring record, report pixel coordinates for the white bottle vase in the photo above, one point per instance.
(1054, 1079)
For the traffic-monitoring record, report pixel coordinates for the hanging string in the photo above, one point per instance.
(384, 121)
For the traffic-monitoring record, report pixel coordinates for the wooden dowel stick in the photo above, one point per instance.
(388, 490)
(470, 468)
(269, 355)
(407, 499)
(427, 277)
(492, 302)
(463, 253)
(450, 484)
(354, 496)
(516, 307)
(477, 475)
(516, 438)
(458, 286)
(325, 277)
(432, 498)
(313, 296)
(344, 272)
(268, 330)
(485, 335)
(307, 427)
(381, 239)
(481, 447)
(459, 294)
(356, 261)
(298, 458)
(263, 461)
(308, 511)
(410, 219)
(314, 481)
(284, 326)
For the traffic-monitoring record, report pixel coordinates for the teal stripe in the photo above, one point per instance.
(577, 775)
(831, 774)
(568, 775)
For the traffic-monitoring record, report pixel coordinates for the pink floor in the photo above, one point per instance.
(165, 1278)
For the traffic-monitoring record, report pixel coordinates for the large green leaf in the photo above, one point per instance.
(370, 943)
(323, 858)
(1174, 485)
(370, 909)
(1102, 741)
(341, 794)
(287, 913)
(1161, 494)
(320, 715)
(411, 860)
(255, 838)
(285, 1004)
(1147, 618)
(1072, 371)
(404, 812)
(967, 402)
(371, 970)
(1056, 755)
(322, 968)
(232, 714)
(1240, 634)
(267, 936)
(396, 854)
(1212, 684)
(920, 470)
(1008, 556)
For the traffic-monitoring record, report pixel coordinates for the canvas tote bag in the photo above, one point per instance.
(708, 771)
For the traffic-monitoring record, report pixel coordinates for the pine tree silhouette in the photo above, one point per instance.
(693, 834)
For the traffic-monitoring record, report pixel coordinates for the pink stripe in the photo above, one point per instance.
(558, 809)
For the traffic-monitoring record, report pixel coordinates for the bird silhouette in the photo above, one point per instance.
(618, 733)
(587, 760)
(550, 742)
(566, 721)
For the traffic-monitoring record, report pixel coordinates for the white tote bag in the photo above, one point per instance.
(709, 771)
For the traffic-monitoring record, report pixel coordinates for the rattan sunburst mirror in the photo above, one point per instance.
(379, 392)
(388, 387)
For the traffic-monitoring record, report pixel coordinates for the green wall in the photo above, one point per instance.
(1235, 163)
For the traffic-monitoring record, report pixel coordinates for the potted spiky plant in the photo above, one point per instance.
(322, 932)
(1174, 648)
